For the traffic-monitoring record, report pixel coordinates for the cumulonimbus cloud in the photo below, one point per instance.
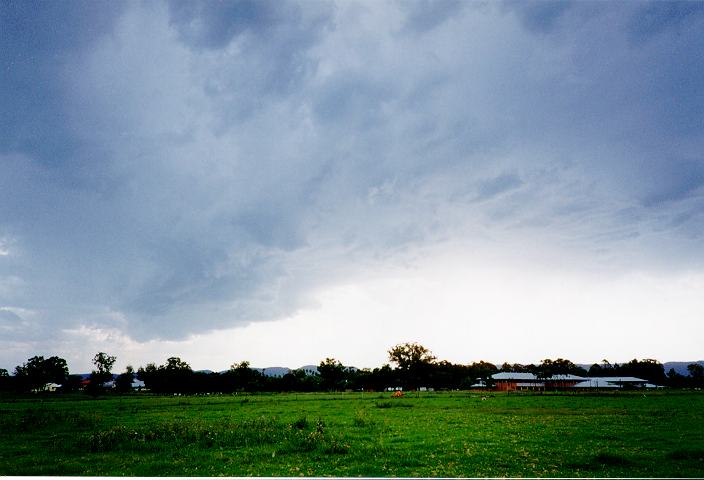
(205, 165)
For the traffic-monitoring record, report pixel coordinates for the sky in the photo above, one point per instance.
(282, 182)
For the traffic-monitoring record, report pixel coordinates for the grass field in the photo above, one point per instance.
(353, 434)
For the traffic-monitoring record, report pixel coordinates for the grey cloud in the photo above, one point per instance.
(497, 185)
(424, 15)
(539, 15)
(653, 18)
(8, 319)
(273, 39)
(211, 193)
(681, 180)
(351, 100)
(39, 41)
(214, 24)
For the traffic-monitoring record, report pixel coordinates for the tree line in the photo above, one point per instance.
(411, 366)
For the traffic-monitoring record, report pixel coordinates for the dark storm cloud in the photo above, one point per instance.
(424, 15)
(38, 42)
(279, 33)
(540, 15)
(174, 168)
(654, 18)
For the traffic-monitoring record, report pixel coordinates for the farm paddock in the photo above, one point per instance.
(651, 434)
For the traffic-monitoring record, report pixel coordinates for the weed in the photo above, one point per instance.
(47, 419)
(317, 440)
(337, 446)
(319, 426)
(181, 434)
(301, 423)
(362, 419)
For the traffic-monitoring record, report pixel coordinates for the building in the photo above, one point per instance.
(510, 381)
(613, 383)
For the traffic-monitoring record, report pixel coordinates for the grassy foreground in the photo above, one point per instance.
(370, 434)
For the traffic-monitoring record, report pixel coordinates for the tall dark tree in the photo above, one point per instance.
(696, 374)
(175, 376)
(5, 380)
(332, 374)
(648, 369)
(407, 356)
(149, 375)
(123, 383)
(549, 368)
(175, 364)
(675, 380)
(103, 368)
(38, 371)
(414, 362)
(483, 372)
(605, 369)
(517, 367)
(243, 378)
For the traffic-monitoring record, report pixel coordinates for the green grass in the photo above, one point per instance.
(427, 434)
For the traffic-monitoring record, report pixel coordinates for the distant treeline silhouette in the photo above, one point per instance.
(411, 366)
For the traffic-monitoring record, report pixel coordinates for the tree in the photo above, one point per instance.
(242, 377)
(102, 372)
(173, 376)
(696, 374)
(103, 367)
(242, 366)
(5, 380)
(648, 369)
(332, 374)
(675, 380)
(407, 356)
(483, 371)
(123, 383)
(177, 375)
(175, 364)
(38, 371)
(149, 375)
(695, 370)
(605, 369)
(548, 368)
(414, 362)
(517, 367)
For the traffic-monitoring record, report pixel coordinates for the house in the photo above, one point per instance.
(47, 387)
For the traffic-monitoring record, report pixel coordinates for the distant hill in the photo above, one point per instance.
(310, 369)
(273, 371)
(680, 367)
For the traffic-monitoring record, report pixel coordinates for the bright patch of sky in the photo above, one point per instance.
(286, 181)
